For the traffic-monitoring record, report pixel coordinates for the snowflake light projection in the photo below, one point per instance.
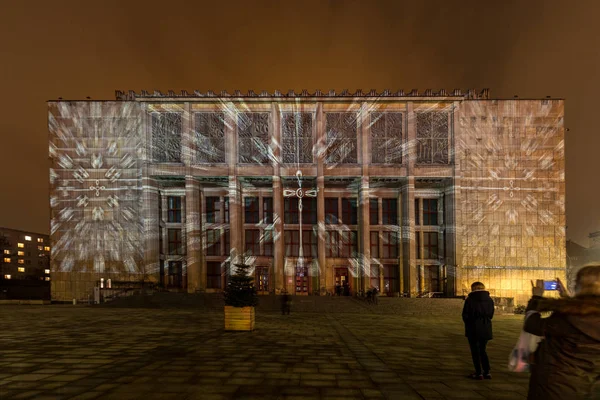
(513, 185)
(95, 187)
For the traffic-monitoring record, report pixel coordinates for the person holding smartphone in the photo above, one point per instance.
(566, 364)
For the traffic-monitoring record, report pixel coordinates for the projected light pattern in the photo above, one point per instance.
(220, 172)
(95, 187)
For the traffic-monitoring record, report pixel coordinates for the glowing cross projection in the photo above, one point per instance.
(300, 193)
(97, 188)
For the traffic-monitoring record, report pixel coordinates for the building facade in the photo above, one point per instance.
(25, 255)
(412, 193)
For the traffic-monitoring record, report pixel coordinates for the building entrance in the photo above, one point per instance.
(302, 280)
(342, 283)
(262, 279)
(175, 274)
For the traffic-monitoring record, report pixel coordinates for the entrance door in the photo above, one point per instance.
(262, 279)
(390, 279)
(342, 283)
(432, 278)
(175, 274)
(302, 279)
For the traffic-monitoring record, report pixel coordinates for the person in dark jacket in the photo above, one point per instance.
(477, 315)
(566, 364)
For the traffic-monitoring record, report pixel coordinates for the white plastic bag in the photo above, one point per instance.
(526, 346)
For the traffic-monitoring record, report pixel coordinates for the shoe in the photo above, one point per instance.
(487, 376)
(477, 377)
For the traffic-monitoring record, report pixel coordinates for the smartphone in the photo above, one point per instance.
(550, 285)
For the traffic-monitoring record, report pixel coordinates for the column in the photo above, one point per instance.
(408, 237)
(365, 235)
(193, 233)
(278, 237)
(452, 249)
(235, 222)
(321, 235)
(151, 218)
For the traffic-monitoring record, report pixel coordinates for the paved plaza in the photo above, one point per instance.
(85, 352)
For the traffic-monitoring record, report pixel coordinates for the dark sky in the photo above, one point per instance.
(74, 49)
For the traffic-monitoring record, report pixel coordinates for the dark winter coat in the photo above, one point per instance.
(567, 362)
(477, 315)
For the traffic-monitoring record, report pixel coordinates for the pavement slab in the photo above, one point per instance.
(86, 352)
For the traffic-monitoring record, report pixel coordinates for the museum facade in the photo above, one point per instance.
(412, 193)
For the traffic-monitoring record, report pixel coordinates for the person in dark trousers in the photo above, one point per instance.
(566, 364)
(477, 315)
(286, 303)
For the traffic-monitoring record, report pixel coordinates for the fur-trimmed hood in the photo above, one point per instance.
(582, 312)
(583, 305)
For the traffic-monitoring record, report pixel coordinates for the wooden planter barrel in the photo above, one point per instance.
(239, 318)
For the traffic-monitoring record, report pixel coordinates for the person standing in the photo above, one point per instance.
(477, 315)
(566, 364)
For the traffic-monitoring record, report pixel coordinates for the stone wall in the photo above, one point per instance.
(511, 182)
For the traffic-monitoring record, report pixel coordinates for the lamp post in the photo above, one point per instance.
(299, 194)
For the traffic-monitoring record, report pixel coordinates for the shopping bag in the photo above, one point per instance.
(526, 345)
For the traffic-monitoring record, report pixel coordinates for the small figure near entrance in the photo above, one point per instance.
(346, 289)
(286, 303)
(372, 295)
(477, 315)
(338, 289)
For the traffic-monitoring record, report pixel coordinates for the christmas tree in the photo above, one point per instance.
(240, 290)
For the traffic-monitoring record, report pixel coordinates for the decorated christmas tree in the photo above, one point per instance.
(240, 291)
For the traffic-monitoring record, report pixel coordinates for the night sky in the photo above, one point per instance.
(74, 49)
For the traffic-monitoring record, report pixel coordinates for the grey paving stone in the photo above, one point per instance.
(143, 353)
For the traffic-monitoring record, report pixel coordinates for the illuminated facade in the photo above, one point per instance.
(412, 193)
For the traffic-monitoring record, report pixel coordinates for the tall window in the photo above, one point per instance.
(297, 139)
(174, 209)
(332, 244)
(251, 210)
(267, 210)
(309, 243)
(432, 137)
(430, 212)
(253, 137)
(252, 242)
(349, 212)
(213, 275)
(226, 209)
(375, 276)
(268, 242)
(226, 243)
(430, 245)
(417, 219)
(386, 132)
(349, 243)
(374, 212)
(211, 210)
(209, 137)
(309, 210)
(290, 208)
(418, 244)
(174, 236)
(390, 245)
(166, 137)
(374, 244)
(389, 211)
(341, 131)
(292, 243)
(331, 210)
(213, 242)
